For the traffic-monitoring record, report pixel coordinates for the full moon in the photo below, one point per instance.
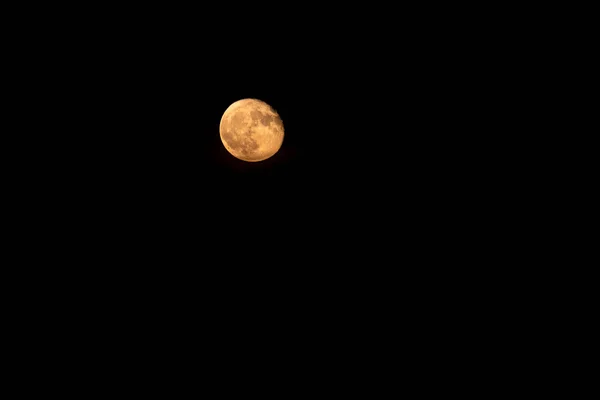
(251, 130)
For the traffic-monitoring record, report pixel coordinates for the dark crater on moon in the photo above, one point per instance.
(266, 120)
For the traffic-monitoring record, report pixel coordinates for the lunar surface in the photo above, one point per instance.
(251, 130)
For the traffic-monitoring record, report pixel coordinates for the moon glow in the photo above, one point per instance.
(251, 130)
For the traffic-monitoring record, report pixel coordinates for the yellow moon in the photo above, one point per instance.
(251, 130)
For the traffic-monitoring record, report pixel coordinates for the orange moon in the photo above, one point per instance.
(251, 130)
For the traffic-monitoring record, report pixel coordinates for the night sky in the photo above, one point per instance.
(370, 182)
(372, 148)
(142, 229)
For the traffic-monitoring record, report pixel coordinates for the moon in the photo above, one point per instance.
(251, 130)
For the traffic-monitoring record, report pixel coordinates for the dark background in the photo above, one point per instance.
(373, 115)
(381, 233)
(374, 203)
(377, 168)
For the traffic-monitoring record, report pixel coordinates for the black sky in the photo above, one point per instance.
(371, 173)
(138, 225)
